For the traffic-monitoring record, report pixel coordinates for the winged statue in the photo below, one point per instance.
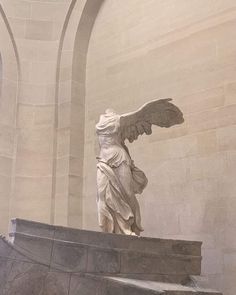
(118, 179)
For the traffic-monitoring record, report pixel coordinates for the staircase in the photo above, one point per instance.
(41, 259)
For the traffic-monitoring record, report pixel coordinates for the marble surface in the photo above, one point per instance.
(119, 180)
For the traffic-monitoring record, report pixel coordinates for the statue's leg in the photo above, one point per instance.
(114, 215)
(125, 177)
(105, 217)
(136, 227)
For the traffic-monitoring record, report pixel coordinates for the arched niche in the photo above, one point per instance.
(67, 200)
(9, 74)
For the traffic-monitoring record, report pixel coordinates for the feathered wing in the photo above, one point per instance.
(159, 112)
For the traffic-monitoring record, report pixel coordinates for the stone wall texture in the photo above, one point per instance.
(142, 50)
(65, 61)
(43, 45)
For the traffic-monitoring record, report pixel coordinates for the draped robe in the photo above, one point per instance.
(118, 180)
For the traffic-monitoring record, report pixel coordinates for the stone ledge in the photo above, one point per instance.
(39, 260)
(76, 257)
(106, 240)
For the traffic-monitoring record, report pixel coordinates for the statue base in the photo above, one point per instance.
(44, 259)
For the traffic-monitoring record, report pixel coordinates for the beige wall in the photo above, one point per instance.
(8, 100)
(185, 49)
(36, 28)
(68, 191)
(43, 45)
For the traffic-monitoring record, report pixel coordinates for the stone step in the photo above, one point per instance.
(9, 251)
(22, 276)
(76, 257)
(105, 240)
(124, 286)
(44, 259)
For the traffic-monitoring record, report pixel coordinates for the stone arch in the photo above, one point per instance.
(10, 71)
(70, 112)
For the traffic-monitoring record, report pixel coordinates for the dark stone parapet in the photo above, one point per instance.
(107, 240)
(41, 259)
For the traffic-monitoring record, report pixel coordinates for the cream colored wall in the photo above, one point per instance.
(8, 99)
(36, 27)
(185, 49)
(44, 47)
(70, 118)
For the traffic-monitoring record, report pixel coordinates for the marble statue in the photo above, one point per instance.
(118, 179)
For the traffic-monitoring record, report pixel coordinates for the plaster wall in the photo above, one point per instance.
(184, 49)
(9, 74)
(43, 45)
(36, 27)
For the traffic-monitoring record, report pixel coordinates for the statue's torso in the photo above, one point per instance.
(112, 150)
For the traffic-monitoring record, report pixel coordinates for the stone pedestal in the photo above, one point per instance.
(41, 259)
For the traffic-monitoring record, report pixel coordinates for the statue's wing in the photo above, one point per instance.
(159, 112)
